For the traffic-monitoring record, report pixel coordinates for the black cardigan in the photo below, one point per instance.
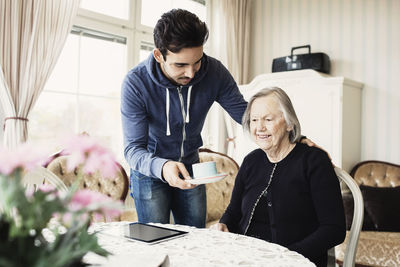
(305, 203)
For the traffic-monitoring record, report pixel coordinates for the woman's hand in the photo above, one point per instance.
(220, 227)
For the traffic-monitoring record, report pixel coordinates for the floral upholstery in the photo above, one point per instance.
(374, 249)
(378, 247)
(116, 188)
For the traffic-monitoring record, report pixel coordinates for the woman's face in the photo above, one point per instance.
(267, 125)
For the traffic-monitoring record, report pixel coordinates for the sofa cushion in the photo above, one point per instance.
(348, 203)
(382, 205)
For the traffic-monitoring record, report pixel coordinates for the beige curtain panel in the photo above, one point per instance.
(237, 18)
(230, 29)
(32, 35)
(237, 21)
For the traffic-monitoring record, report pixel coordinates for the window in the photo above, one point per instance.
(153, 9)
(145, 49)
(83, 91)
(114, 8)
(82, 94)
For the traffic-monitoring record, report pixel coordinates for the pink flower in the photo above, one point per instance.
(24, 156)
(47, 188)
(44, 188)
(68, 218)
(96, 202)
(84, 150)
(29, 192)
(83, 198)
(107, 214)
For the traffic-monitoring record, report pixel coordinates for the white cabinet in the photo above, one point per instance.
(328, 108)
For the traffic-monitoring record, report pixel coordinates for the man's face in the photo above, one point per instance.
(180, 67)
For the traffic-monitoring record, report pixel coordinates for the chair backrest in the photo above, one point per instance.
(354, 234)
(40, 175)
(219, 193)
(116, 188)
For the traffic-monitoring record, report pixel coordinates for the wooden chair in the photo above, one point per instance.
(354, 234)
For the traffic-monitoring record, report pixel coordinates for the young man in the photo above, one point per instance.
(164, 103)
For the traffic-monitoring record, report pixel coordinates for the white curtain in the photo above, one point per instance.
(230, 29)
(32, 35)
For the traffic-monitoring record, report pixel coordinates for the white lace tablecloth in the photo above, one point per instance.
(201, 247)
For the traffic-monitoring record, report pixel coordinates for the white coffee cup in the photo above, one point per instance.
(204, 169)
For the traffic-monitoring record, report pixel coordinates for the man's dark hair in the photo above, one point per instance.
(177, 29)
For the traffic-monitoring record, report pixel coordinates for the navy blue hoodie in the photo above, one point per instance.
(162, 121)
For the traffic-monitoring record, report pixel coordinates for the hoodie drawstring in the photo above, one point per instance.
(188, 104)
(168, 133)
(187, 118)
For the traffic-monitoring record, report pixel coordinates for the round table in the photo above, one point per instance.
(201, 247)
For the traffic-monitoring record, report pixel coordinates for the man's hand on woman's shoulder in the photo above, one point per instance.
(305, 140)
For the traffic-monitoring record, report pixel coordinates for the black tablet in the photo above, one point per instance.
(150, 233)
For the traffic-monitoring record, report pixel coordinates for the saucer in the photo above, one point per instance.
(207, 180)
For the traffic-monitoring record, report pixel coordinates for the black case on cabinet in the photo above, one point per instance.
(316, 61)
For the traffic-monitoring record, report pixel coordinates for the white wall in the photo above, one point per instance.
(362, 39)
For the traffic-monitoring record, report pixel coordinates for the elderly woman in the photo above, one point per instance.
(285, 192)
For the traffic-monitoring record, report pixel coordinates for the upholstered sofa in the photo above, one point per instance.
(379, 243)
(218, 193)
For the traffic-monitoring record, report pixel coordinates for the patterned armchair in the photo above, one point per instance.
(379, 243)
(219, 193)
(116, 189)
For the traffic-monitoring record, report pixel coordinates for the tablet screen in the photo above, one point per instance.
(150, 233)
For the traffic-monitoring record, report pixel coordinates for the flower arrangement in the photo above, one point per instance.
(47, 227)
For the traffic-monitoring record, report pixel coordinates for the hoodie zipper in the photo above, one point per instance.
(184, 121)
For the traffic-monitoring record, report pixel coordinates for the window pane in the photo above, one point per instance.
(82, 94)
(114, 8)
(102, 67)
(145, 49)
(100, 117)
(153, 9)
(53, 117)
(64, 77)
